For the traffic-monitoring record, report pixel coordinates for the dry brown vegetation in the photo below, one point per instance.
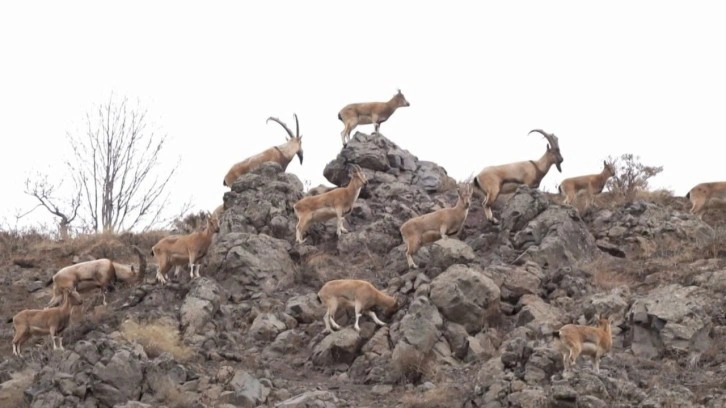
(35, 249)
(440, 397)
(156, 338)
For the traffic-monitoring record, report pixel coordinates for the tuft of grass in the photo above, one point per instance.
(440, 397)
(610, 273)
(156, 338)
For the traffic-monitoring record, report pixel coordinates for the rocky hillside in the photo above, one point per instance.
(475, 330)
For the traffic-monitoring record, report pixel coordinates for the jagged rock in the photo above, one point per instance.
(451, 251)
(305, 308)
(266, 326)
(641, 229)
(318, 399)
(672, 318)
(340, 346)
(465, 296)
(201, 303)
(257, 198)
(387, 162)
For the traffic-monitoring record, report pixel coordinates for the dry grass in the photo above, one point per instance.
(156, 338)
(440, 397)
(32, 248)
(609, 273)
(412, 366)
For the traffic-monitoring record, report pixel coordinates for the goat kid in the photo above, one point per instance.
(334, 203)
(281, 154)
(359, 294)
(179, 250)
(31, 322)
(707, 195)
(436, 225)
(99, 273)
(366, 113)
(591, 184)
(505, 178)
(592, 341)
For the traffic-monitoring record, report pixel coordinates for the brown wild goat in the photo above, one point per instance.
(366, 113)
(505, 178)
(281, 154)
(575, 339)
(32, 322)
(707, 195)
(184, 249)
(436, 225)
(591, 184)
(359, 294)
(100, 273)
(334, 203)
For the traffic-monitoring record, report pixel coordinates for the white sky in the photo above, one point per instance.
(646, 77)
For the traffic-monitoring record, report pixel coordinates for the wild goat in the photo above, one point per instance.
(184, 249)
(99, 273)
(592, 341)
(592, 184)
(281, 154)
(334, 203)
(52, 321)
(436, 225)
(505, 178)
(707, 195)
(360, 294)
(366, 113)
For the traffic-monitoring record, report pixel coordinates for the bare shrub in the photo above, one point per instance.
(156, 338)
(190, 223)
(631, 176)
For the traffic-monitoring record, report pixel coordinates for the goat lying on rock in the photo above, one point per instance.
(101, 273)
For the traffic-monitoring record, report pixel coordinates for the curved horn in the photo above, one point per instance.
(289, 132)
(297, 125)
(539, 131)
(551, 138)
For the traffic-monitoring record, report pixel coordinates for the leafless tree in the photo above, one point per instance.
(115, 164)
(631, 175)
(45, 192)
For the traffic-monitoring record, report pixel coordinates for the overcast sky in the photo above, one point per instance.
(645, 77)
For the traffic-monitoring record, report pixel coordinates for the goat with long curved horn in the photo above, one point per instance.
(281, 154)
(505, 178)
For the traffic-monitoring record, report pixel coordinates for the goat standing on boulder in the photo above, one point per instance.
(366, 113)
(184, 249)
(359, 294)
(505, 178)
(281, 154)
(592, 184)
(575, 339)
(31, 322)
(436, 225)
(334, 203)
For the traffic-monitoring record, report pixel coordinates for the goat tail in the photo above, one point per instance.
(688, 195)
(556, 334)
(319, 300)
(476, 183)
(9, 320)
(559, 188)
(340, 118)
(49, 282)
